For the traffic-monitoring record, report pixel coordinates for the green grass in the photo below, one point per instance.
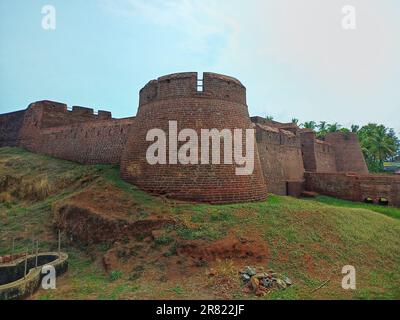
(309, 240)
(178, 290)
(115, 275)
(389, 211)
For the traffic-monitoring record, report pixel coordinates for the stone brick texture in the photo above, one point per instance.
(280, 156)
(325, 155)
(10, 126)
(78, 135)
(355, 187)
(288, 159)
(349, 157)
(220, 105)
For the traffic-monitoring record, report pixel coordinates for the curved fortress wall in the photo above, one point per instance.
(221, 104)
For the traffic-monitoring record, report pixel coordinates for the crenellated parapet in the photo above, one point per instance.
(189, 85)
(56, 114)
(209, 102)
(213, 102)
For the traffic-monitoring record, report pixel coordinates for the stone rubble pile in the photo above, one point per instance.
(263, 282)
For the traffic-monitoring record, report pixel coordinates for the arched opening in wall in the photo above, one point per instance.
(369, 200)
(383, 202)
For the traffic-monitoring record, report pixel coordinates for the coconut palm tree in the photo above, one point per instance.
(379, 144)
(309, 125)
(334, 127)
(355, 128)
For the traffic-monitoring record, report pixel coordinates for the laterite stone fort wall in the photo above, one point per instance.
(325, 156)
(348, 153)
(339, 152)
(318, 156)
(78, 135)
(220, 105)
(281, 158)
(284, 154)
(100, 142)
(355, 187)
(10, 126)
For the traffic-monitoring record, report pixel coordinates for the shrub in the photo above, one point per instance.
(115, 275)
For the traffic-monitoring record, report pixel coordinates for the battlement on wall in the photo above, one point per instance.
(274, 132)
(188, 85)
(276, 136)
(284, 151)
(56, 114)
(292, 127)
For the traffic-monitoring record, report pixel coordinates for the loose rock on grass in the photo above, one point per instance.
(261, 283)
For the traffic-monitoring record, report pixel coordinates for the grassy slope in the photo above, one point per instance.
(309, 240)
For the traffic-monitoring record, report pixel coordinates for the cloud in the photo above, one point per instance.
(308, 36)
(198, 21)
(294, 54)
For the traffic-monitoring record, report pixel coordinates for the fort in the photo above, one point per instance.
(288, 160)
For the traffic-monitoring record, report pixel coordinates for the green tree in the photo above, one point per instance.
(379, 144)
(334, 127)
(355, 128)
(322, 129)
(310, 125)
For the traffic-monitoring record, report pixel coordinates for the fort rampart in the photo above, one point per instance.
(219, 103)
(78, 135)
(281, 158)
(287, 159)
(356, 187)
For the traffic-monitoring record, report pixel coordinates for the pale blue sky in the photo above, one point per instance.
(293, 56)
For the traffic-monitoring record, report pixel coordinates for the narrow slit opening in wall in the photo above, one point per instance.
(369, 200)
(200, 83)
(383, 202)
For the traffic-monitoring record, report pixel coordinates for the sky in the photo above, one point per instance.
(294, 56)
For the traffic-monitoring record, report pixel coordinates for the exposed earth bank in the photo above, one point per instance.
(126, 244)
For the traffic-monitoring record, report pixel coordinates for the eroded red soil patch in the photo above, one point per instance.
(89, 218)
(227, 248)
